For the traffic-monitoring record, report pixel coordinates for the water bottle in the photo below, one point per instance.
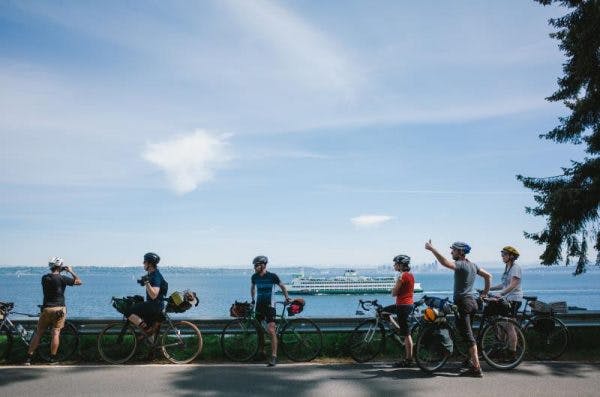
(21, 331)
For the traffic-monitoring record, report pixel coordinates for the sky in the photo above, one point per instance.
(316, 133)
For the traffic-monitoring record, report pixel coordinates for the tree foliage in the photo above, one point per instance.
(570, 202)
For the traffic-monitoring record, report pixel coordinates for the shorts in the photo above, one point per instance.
(467, 307)
(403, 312)
(53, 316)
(150, 312)
(265, 312)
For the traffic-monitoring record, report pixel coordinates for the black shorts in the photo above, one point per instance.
(403, 313)
(467, 307)
(265, 312)
(148, 311)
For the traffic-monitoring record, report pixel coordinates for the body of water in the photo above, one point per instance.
(218, 289)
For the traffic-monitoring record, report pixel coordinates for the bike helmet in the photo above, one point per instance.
(55, 261)
(402, 259)
(511, 250)
(459, 245)
(260, 260)
(152, 258)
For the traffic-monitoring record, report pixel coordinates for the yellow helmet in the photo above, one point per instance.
(511, 250)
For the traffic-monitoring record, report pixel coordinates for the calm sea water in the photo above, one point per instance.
(217, 289)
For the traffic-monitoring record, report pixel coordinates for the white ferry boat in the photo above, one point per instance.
(349, 283)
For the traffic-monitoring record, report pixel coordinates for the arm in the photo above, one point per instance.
(152, 291)
(513, 284)
(496, 287)
(397, 286)
(487, 279)
(76, 279)
(284, 290)
(252, 291)
(443, 261)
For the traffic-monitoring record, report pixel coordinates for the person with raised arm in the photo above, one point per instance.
(464, 278)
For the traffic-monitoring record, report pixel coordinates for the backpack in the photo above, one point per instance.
(124, 304)
(498, 307)
(240, 309)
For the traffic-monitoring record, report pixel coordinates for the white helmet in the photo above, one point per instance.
(55, 261)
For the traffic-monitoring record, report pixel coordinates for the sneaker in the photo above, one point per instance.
(472, 372)
(272, 362)
(404, 364)
(53, 361)
(28, 361)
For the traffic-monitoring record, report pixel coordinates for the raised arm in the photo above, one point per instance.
(441, 259)
(76, 279)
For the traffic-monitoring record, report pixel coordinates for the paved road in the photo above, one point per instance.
(530, 379)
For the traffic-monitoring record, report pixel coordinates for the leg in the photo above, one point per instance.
(55, 342)
(271, 329)
(466, 308)
(36, 338)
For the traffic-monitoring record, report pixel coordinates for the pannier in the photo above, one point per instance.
(124, 304)
(240, 309)
(295, 307)
(543, 325)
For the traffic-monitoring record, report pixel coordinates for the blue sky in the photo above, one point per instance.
(317, 133)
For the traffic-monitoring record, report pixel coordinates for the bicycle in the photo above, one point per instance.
(300, 339)
(180, 342)
(369, 337)
(547, 336)
(15, 338)
(438, 338)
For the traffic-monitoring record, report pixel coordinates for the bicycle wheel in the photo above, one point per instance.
(547, 337)
(430, 350)
(69, 341)
(181, 342)
(366, 341)
(240, 340)
(301, 339)
(6, 341)
(117, 342)
(502, 343)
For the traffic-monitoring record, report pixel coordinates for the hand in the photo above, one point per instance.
(429, 246)
(288, 299)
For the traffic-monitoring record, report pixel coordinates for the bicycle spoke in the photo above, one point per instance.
(240, 339)
(181, 342)
(366, 341)
(301, 340)
(117, 343)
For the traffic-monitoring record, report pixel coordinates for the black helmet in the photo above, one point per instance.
(152, 258)
(260, 260)
(403, 260)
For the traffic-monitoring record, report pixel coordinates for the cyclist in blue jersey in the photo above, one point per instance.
(261, 292)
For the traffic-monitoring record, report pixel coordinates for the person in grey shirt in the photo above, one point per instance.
(464, 278)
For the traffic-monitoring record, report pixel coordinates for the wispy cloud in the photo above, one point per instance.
(370, 220)
(190, 160)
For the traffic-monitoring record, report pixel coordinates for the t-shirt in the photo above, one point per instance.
(157, 280)
(54, 286)
(517, 293)
(264, 287)
(464, 278)
(407, 287)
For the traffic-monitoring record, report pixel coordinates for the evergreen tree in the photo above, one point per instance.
(571, 201)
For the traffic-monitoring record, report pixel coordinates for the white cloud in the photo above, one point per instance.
(190, 160)
(370, 220)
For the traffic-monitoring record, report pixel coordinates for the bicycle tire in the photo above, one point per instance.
(366, 341)
(549, 343)
(181, 342)
(117, 342)
(429, 356)
(69, 342)
(6, 341)
(240, 339)
(301, 340)
(495, 343)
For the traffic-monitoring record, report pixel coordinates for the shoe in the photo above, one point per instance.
(472, 372)
(404, 364)
(53, 361)
(27, 362)
(272, 362)
(466, 363)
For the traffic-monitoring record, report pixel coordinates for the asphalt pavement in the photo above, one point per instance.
(286, 380)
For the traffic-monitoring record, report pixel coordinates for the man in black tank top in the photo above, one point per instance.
(54, 310)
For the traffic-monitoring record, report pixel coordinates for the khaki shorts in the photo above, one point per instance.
(53, 316)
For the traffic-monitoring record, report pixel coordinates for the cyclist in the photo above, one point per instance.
(144, 315)
(403, 290)
(464, 278)
(54, 310)
(261, 287)
(510, 289)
